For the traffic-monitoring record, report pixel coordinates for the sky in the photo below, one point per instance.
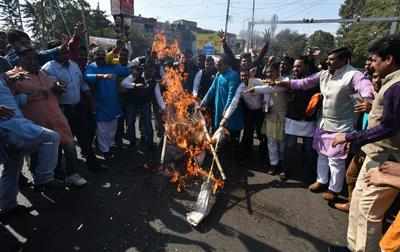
(210, 14)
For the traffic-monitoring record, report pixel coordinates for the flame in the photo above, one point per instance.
(183, 126)
(162, 49)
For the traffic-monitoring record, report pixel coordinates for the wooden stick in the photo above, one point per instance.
(213, 162)
(164, 148)
(214, 153)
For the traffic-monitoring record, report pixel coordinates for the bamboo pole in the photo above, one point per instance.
(213, 151)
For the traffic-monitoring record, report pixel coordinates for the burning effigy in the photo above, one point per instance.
(185, 128)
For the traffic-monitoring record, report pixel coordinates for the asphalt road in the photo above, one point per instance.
(120, 210)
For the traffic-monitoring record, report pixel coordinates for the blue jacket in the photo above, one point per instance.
(108, 106)
(221, 94)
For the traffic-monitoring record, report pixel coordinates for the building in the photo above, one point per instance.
(189, 36)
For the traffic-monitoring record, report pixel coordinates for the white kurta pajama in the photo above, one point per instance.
(274, 124)
(337, 117)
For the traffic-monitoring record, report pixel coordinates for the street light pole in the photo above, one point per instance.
(252, 26)
(227, 16)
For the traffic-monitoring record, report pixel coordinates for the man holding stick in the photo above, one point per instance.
(221, 93)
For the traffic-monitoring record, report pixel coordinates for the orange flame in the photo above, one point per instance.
(183, 128)
(162, 49)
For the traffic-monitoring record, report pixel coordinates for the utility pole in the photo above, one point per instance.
(84, 23)
(228, 7)
(57, 5)
(252, 26)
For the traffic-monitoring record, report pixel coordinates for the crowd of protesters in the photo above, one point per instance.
(346, 120)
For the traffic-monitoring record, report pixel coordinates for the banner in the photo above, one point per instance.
(122, 7)
(207, 41)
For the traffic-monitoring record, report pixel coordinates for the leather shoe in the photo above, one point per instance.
(317, 187)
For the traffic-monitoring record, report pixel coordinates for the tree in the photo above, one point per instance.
(99, 25)
(44, 19)
(259, 39)
(325, 41)
(140, 42)
(10, 13)
(358, 35)
(288, 42)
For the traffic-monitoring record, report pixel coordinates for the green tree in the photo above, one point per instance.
(288, 42)
(140, 42)
(99, 25)
(358, 35)
(44, 19)
(325, 41)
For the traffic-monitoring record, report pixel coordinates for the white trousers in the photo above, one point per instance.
(106, 134)
(275, 151)
(332, 171)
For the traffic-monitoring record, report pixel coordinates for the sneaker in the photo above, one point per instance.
(317, 187)
(75, 180)
(54, 184)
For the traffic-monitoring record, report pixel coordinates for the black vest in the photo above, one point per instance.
(297, 104)
(141, 95)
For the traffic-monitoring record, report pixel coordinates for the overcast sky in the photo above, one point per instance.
(211, 13)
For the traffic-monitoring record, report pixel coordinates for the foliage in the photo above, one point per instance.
(9, 13)
(325, 41)
(140, 42)
(44, 19)
(288, 42)
(358, 35)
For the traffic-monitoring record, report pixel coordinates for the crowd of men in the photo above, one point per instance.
(345, 119)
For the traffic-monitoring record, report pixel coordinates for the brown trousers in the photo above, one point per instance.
(367, 210)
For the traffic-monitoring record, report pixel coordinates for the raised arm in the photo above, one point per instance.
(75, 42)
(259, 60)
(229, 53)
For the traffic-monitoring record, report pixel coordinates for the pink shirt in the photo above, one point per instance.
(322, 142)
